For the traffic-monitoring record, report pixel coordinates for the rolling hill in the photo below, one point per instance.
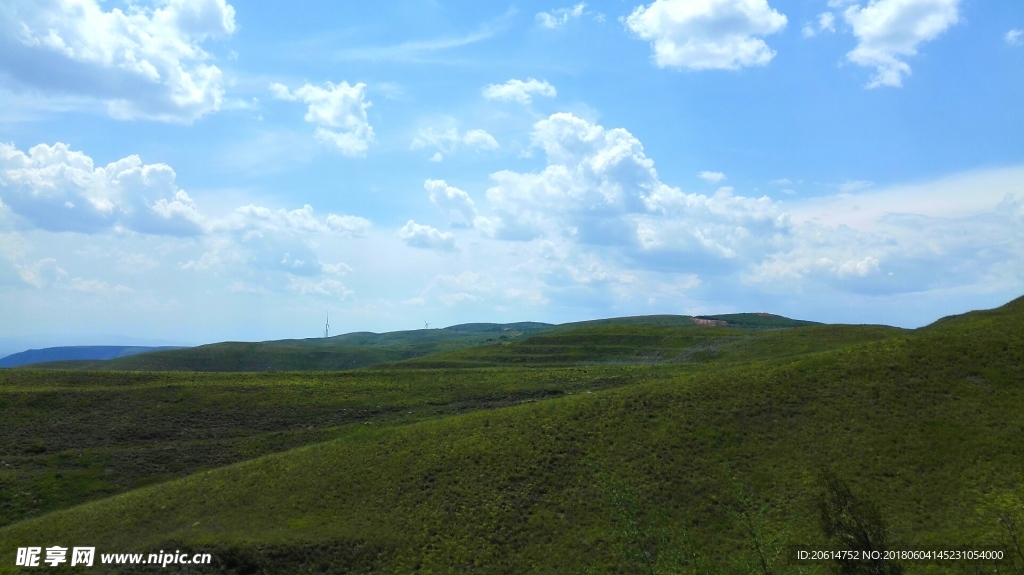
(349, 351)
(363, 349)
(76, 352)
(702, 465)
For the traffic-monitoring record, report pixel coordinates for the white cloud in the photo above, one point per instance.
(599, 217)
(137, 263)
(864, 267)
(854, 185)
(889, 31)
(600, 188)
(348, 226)
(781, 182)
(42, 273)
(826, 23)
(519, 91)
(46, 273)
(561, 16)
(954, 233)
(457, 298)
(338, 269)
(455, 203)
(449, 140)
(97, 287)
(339, 112)
(1013, 37)
(141, 63)
(58, 189)
(971, 194)
(325, 287)
(709, 34)
(711, 177)
(276, 243)
(420, 236)
(254, 220)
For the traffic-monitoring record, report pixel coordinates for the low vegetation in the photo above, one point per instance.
(349, 351)
(602, 449)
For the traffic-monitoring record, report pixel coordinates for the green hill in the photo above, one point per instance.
(364, 349)
(74, 353)
(596, 343)
(709, 463)
(349, 351)
(128, 429)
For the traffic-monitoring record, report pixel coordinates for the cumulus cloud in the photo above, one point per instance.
(339, 112)
(889, 31)
(455, 203)
(599, 217)
(711, 177)
(600, 188)
(141, 63)
(561, 16)
(58, 189)
(710, 34)
(1013, 37)
(826, 23)
(421, 236)
(275, 242)
(338, 269)
(447, 141)
(348, 226)
(519, 91)
(259, 220)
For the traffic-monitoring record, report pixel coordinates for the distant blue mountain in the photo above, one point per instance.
(75, 352)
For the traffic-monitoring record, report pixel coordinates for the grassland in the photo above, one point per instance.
(364, 349)
(695, 446)
(348, 351)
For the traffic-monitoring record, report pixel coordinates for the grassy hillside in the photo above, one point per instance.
(349, 351)
(363, 349)
(70, 437)
(632, 344)
(707, 458)
(75, 352)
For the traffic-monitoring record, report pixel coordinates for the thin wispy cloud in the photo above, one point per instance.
(415, 50)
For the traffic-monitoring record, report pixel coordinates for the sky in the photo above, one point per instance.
(192, 171)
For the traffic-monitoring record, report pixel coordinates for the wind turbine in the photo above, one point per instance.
(425, 324)
(327, 326)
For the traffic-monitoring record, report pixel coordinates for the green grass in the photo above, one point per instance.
(618, 344)
(927, 424)
(69, 437)
(349, 351)
(363, 349)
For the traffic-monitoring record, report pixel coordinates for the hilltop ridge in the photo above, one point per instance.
(364, 349)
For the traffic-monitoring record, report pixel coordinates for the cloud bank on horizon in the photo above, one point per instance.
(206, 168)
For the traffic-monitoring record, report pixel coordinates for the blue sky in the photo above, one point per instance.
(201, 170)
